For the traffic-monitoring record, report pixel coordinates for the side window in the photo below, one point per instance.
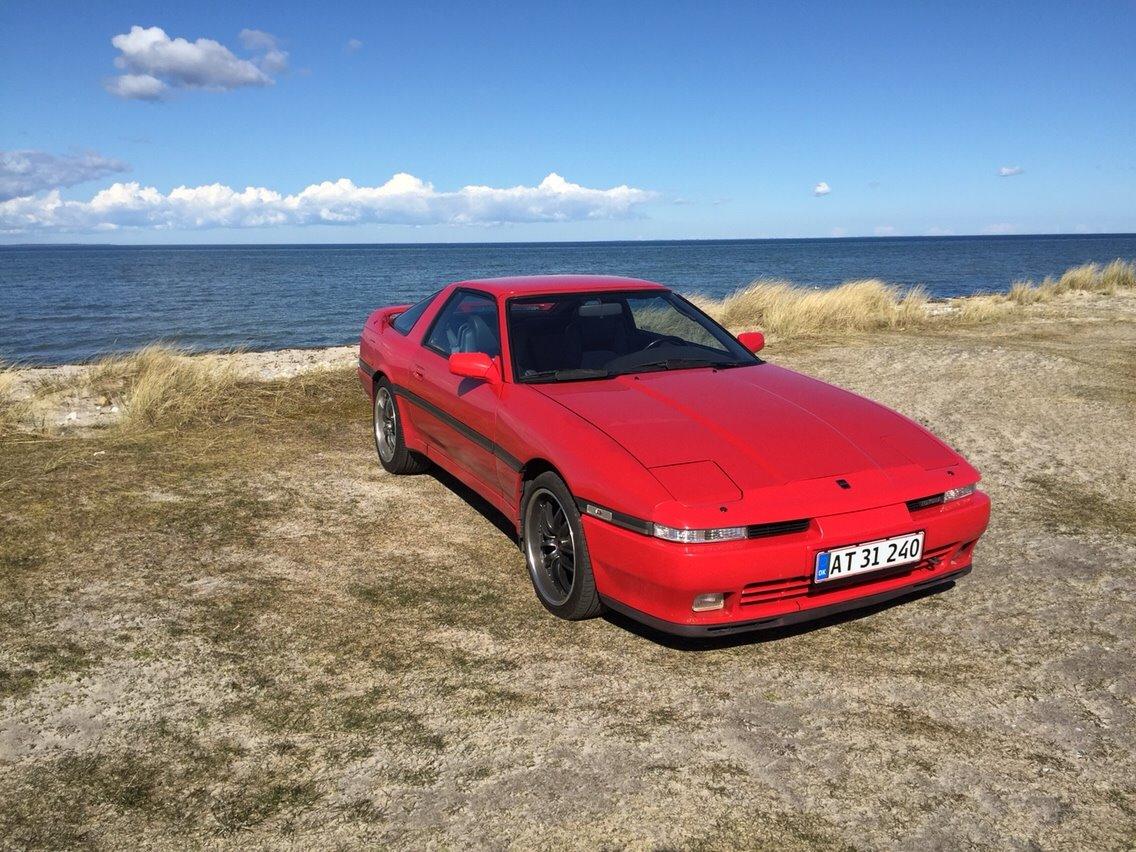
(406, 320)
(468, 323)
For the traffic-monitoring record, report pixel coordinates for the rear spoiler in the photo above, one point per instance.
(381, 318)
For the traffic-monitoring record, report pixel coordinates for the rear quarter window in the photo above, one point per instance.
(405, 321)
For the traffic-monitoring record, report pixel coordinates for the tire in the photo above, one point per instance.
(556, 553)
(386, 427)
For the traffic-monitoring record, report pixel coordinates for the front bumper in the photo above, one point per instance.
(768, 582)
(704, 631)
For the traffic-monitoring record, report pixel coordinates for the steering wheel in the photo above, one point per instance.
(666, 338)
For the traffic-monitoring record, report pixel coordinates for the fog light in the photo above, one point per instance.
(958, 493)
(709, 601)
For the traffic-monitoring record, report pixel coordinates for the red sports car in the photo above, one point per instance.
(653, 464)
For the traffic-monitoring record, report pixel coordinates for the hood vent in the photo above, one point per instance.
(778, 528)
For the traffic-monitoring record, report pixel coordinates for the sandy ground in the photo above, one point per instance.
(252, 635)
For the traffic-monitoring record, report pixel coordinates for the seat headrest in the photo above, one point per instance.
(477, 336)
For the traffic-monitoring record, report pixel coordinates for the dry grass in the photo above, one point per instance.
(1087, 278)
(156, 386)
(980, 309)
(252, 637)
(14, 412)
(164, 387)
(783, 309)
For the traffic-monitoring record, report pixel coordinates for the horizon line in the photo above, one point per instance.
(633, 241)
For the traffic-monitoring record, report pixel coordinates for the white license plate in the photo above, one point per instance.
(870, 556)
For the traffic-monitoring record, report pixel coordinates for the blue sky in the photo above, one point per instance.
(717, 120)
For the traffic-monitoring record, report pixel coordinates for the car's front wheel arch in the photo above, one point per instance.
(530, 470)
(547, 501)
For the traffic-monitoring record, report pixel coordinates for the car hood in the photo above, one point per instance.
(760, 426)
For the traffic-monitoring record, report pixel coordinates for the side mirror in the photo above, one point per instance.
(475, 365)
(754, 341)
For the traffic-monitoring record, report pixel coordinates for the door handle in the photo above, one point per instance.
(418, 372)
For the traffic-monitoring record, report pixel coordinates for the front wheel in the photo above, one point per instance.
(555, 550)
(389, 442)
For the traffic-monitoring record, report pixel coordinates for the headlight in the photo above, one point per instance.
(699, 536)
(958, 493)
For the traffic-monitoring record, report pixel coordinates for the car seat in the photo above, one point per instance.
(477, 336)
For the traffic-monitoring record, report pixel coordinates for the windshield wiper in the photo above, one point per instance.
(569, 375)
(679, 363)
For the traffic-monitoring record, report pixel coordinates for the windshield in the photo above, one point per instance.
(576, 336)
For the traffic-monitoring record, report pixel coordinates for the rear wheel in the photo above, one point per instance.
(555, 550)
(389, 443)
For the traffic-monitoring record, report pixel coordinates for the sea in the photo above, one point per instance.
(68, 304)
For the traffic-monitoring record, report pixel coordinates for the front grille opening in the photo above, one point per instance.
(778, 528)
(786, 588)
(767, 591)
(924, 502)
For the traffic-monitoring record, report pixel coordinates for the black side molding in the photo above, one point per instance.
(472, 434)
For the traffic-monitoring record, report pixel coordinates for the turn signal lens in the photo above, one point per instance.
(958, 493)
(699, 536)
(709, 601)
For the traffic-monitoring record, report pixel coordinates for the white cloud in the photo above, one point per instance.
(353, 45)
(822, 188)
(936, 231)
(1000, 228)
(154, 63)
(257, 39)
(884, 230)
(404, 200)
(139, 87)
(838, 232)
(28, 172)
(1010, 171)
(272, 60)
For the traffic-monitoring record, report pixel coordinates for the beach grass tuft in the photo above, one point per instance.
(783, 309)
(155, 386)
(162, 386)
(1086, 278)
(14, 411)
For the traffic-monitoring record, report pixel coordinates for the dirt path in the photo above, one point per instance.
(249, 634)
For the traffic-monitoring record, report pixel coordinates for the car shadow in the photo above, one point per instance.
(762, 637)
(486, 509)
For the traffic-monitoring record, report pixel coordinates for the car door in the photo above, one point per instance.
(458, 416)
